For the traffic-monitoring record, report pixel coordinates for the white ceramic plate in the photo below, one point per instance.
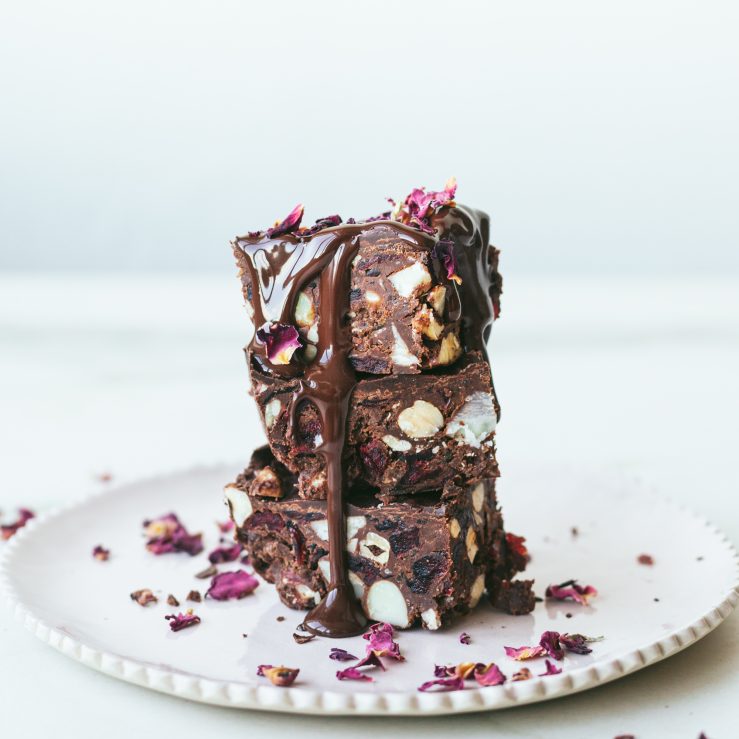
(82, 607)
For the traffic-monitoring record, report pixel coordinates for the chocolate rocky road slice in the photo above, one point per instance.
(410, 293)
(417, 559)
(404, 435)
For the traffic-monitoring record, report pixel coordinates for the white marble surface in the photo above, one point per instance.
(132, 375)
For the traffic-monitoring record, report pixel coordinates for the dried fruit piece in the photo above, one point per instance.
(570, 590)
(182, 620)
(224, 554)
(232, 585)
(281, 676)
(144, 597)
(166, 534)
(645, 559)
(10, 529)
(101, 553)
(281, 341)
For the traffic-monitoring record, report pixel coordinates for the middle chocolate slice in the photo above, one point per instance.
(403, 436)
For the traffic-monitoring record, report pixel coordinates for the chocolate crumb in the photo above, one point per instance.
(207, 572)
(172, 601)
(699, 559)
(303, 638)
(243, 636)
(645, 559)
(574, 531)
(568, 615)
(656, 600)
(280, 618)
(194, 595)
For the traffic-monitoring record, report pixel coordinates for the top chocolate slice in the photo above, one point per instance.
(417, 300)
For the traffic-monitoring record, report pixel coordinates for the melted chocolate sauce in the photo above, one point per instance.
(278, 269)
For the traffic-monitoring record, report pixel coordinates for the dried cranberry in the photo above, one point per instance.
(364, 568)
(272, 521)
(298, 541)
(420, 469)
(375, 456)
(426, 570)
(404, 541)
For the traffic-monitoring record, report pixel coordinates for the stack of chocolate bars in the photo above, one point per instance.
(369, 368)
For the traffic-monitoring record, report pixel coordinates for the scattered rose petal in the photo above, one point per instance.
(419, 206)
(320, 224)
(517, 547)
(522, 653)
(207, 572)
(10, 529)
(225, 526)
(550, 642)
(645, 559)
(194, 595)
(444, 251)
(280, 676)
(464, 670)
(104, 477)
(182, 620)
(144, 597)
(380, 638)
(303, 638)
(371, 659)
(552, 669)
(230, 585)
(489, 675)
(570, 590)
(281, 340)
(290, 224)
(166, 534)
(577, 643)
(442, 685)
(523, 674)
(465, 638)
(352, 673)
(341, 655)
(224, 554)
(101, 553)
(172, 601)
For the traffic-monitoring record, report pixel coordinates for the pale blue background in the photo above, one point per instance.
(143, 135)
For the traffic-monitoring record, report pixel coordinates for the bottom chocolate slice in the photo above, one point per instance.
(418, 558)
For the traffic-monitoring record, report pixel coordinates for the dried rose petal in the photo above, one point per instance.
(194, 596)
(230, 585)
(341, 655)
(282, 341)
(166, 534)
(225, 526)
(577, 643)
(443, 685)
(380, 638)
(444, 251)
(320, 224)
(552, 669)
(522, 653)
(645, 559)
(144, 596)
(290, 224)
(101, 553)
(517, 546)
(523, 674)
(419, 206)
(371, 659)
(352, 673)
(570, 590)
(489, 675)
(280, 676)
(10, 529)
(224, 554)
(172, 601)
(465, 638)
(464, 670)
(550, 642)
(303, 638)
(182, 620)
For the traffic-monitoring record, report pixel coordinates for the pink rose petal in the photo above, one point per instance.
(522, 653)
(489, 675)
(232, 585)
(442, 685)
(552, 669)
(444, 251)
(224, 554)
(290, 224)
(352, 673)
(465, 638)
(166, 534)
(380, 638)
(577, 643)
(341, 655)
(550, 642)
(182, 621)
(570, 590)
(101, 553)
(10, 529)
(281, 340)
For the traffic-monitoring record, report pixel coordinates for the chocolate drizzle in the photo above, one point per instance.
(274, 270)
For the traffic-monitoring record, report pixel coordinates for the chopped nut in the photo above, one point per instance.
(397, 445)
(385, 603)
(266, 484)
(475, 421)
(431, 620)
(478, 588)
(471, 543)
(194, 596)
(437, 299)
(450, 350)
(305, 312)
(401, 355)
(454, 528)
(271, 411)
(421, 420)
(238, 504)
(411, 280)
(375, 547)
(425, 323)
(478, 496)
(310, 352)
